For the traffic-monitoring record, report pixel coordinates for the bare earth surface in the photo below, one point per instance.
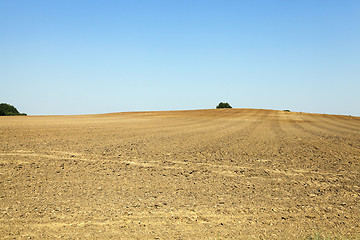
(206, 174)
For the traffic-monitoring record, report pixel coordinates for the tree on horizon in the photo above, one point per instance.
(9, 110)
(223, 105)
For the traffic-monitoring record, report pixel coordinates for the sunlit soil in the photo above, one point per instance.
(208, 174)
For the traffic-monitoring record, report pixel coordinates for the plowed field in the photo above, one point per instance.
(205, 174)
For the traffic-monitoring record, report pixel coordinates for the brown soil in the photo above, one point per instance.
(206, 174)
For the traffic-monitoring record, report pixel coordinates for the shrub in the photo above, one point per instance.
(9, 110)
(223, 105)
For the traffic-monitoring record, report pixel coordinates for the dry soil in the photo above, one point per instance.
(205, 174)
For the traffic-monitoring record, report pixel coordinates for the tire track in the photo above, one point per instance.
(169, 139)
(216, 148)
(201, 123)
(202, 130)
(345, 120)
(233, 134)
(335, 122)
(334, 149)
(350, 141)
(332, 127)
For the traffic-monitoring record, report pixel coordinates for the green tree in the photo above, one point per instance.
(223, 105)
(8, 110)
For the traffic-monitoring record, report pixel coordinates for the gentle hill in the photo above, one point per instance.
(201, 174)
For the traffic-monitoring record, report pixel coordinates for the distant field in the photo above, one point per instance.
(208, 174)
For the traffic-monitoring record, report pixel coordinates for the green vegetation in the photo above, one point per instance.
(318, 236)
(223, 105)
(323, 236)
(9, 110)
(286, 110)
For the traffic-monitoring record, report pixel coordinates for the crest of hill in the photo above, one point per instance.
(217, 113)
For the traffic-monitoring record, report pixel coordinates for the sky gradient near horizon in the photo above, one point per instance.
(82, 57)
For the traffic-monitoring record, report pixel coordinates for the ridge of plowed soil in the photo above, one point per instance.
(202, 174)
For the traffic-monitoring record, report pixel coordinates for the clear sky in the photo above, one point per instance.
(83, 56)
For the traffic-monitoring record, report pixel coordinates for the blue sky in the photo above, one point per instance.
(79, 57)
